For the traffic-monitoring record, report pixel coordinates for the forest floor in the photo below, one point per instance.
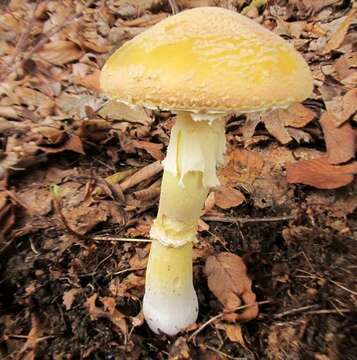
(71, 289)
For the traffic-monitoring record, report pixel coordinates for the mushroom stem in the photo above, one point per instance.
(170, 301)
(195, 149)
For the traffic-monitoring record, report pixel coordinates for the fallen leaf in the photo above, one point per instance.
(90, 81)
(342, 107)
(276, 127)
(227, 197)
(59, 52)
(74, 143)
(340, 141)
(242, 166)
(152, 148)
(320, 173)
(296, 116)
(228, 280)
(121, 288)
(28, 350)
(248, 128)
(180, 350)
(234, 333)
(338, 36)
(299, 135)
(118, 111)
(108, 311)
(69, 296)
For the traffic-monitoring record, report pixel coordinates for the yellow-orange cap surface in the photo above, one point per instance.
(207, 59)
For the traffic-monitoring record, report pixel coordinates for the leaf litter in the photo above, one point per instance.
(65, 294)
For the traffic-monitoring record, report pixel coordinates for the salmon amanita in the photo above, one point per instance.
(200, 64)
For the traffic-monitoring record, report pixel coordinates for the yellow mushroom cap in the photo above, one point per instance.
(206, 60)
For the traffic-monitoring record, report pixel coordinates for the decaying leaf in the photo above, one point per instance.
(69, 296)
(234, 333)
(121, 288)
(342, 107)
(74, 143)
(59, 52)
(340, 141)
(28, 350)
(108, 311)
(320, 173)
(153, 149)
(227, 197)
(296, 116)
(118, 111)
(90, 81)
(228, 280)
(275, 127)
(243, 166)
(338, 36)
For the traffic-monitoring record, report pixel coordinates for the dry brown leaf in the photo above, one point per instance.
(296, 116)
(84, 217)
(121, 288)
(340, 141)
(180, 350)
(28, 350)
(69, 296)
(234, 333)
(59, 52)
(349, 104)
(248, 128)
(32, 97)
(90, 81)
(109, 311)
(338, 36)
(118, 111)
(276, 127)
(243, 166)
(342, 107)
(227, 197)
(320, 173)
(228, 280)
(152, 148)
(74, 143)
(98, 45)
(299, 135)
(141, 175)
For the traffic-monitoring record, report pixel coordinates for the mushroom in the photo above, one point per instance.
(201, 65)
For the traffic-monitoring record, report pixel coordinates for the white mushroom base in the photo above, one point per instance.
(170, 302)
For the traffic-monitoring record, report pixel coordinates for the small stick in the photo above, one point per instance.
(218, 316)
(114, 238)
(143, 174)
(328, 311)
(247, 220)
(128, 270)
(293, 311)
(174, 8)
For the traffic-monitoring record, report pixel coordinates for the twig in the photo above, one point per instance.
(114, 238)
(327, 279)
(143, 174)
(293, 311)
(174, 8)
(128, 270)
(224, 354)
(248, 220)
(218, 316)
(331, 311)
